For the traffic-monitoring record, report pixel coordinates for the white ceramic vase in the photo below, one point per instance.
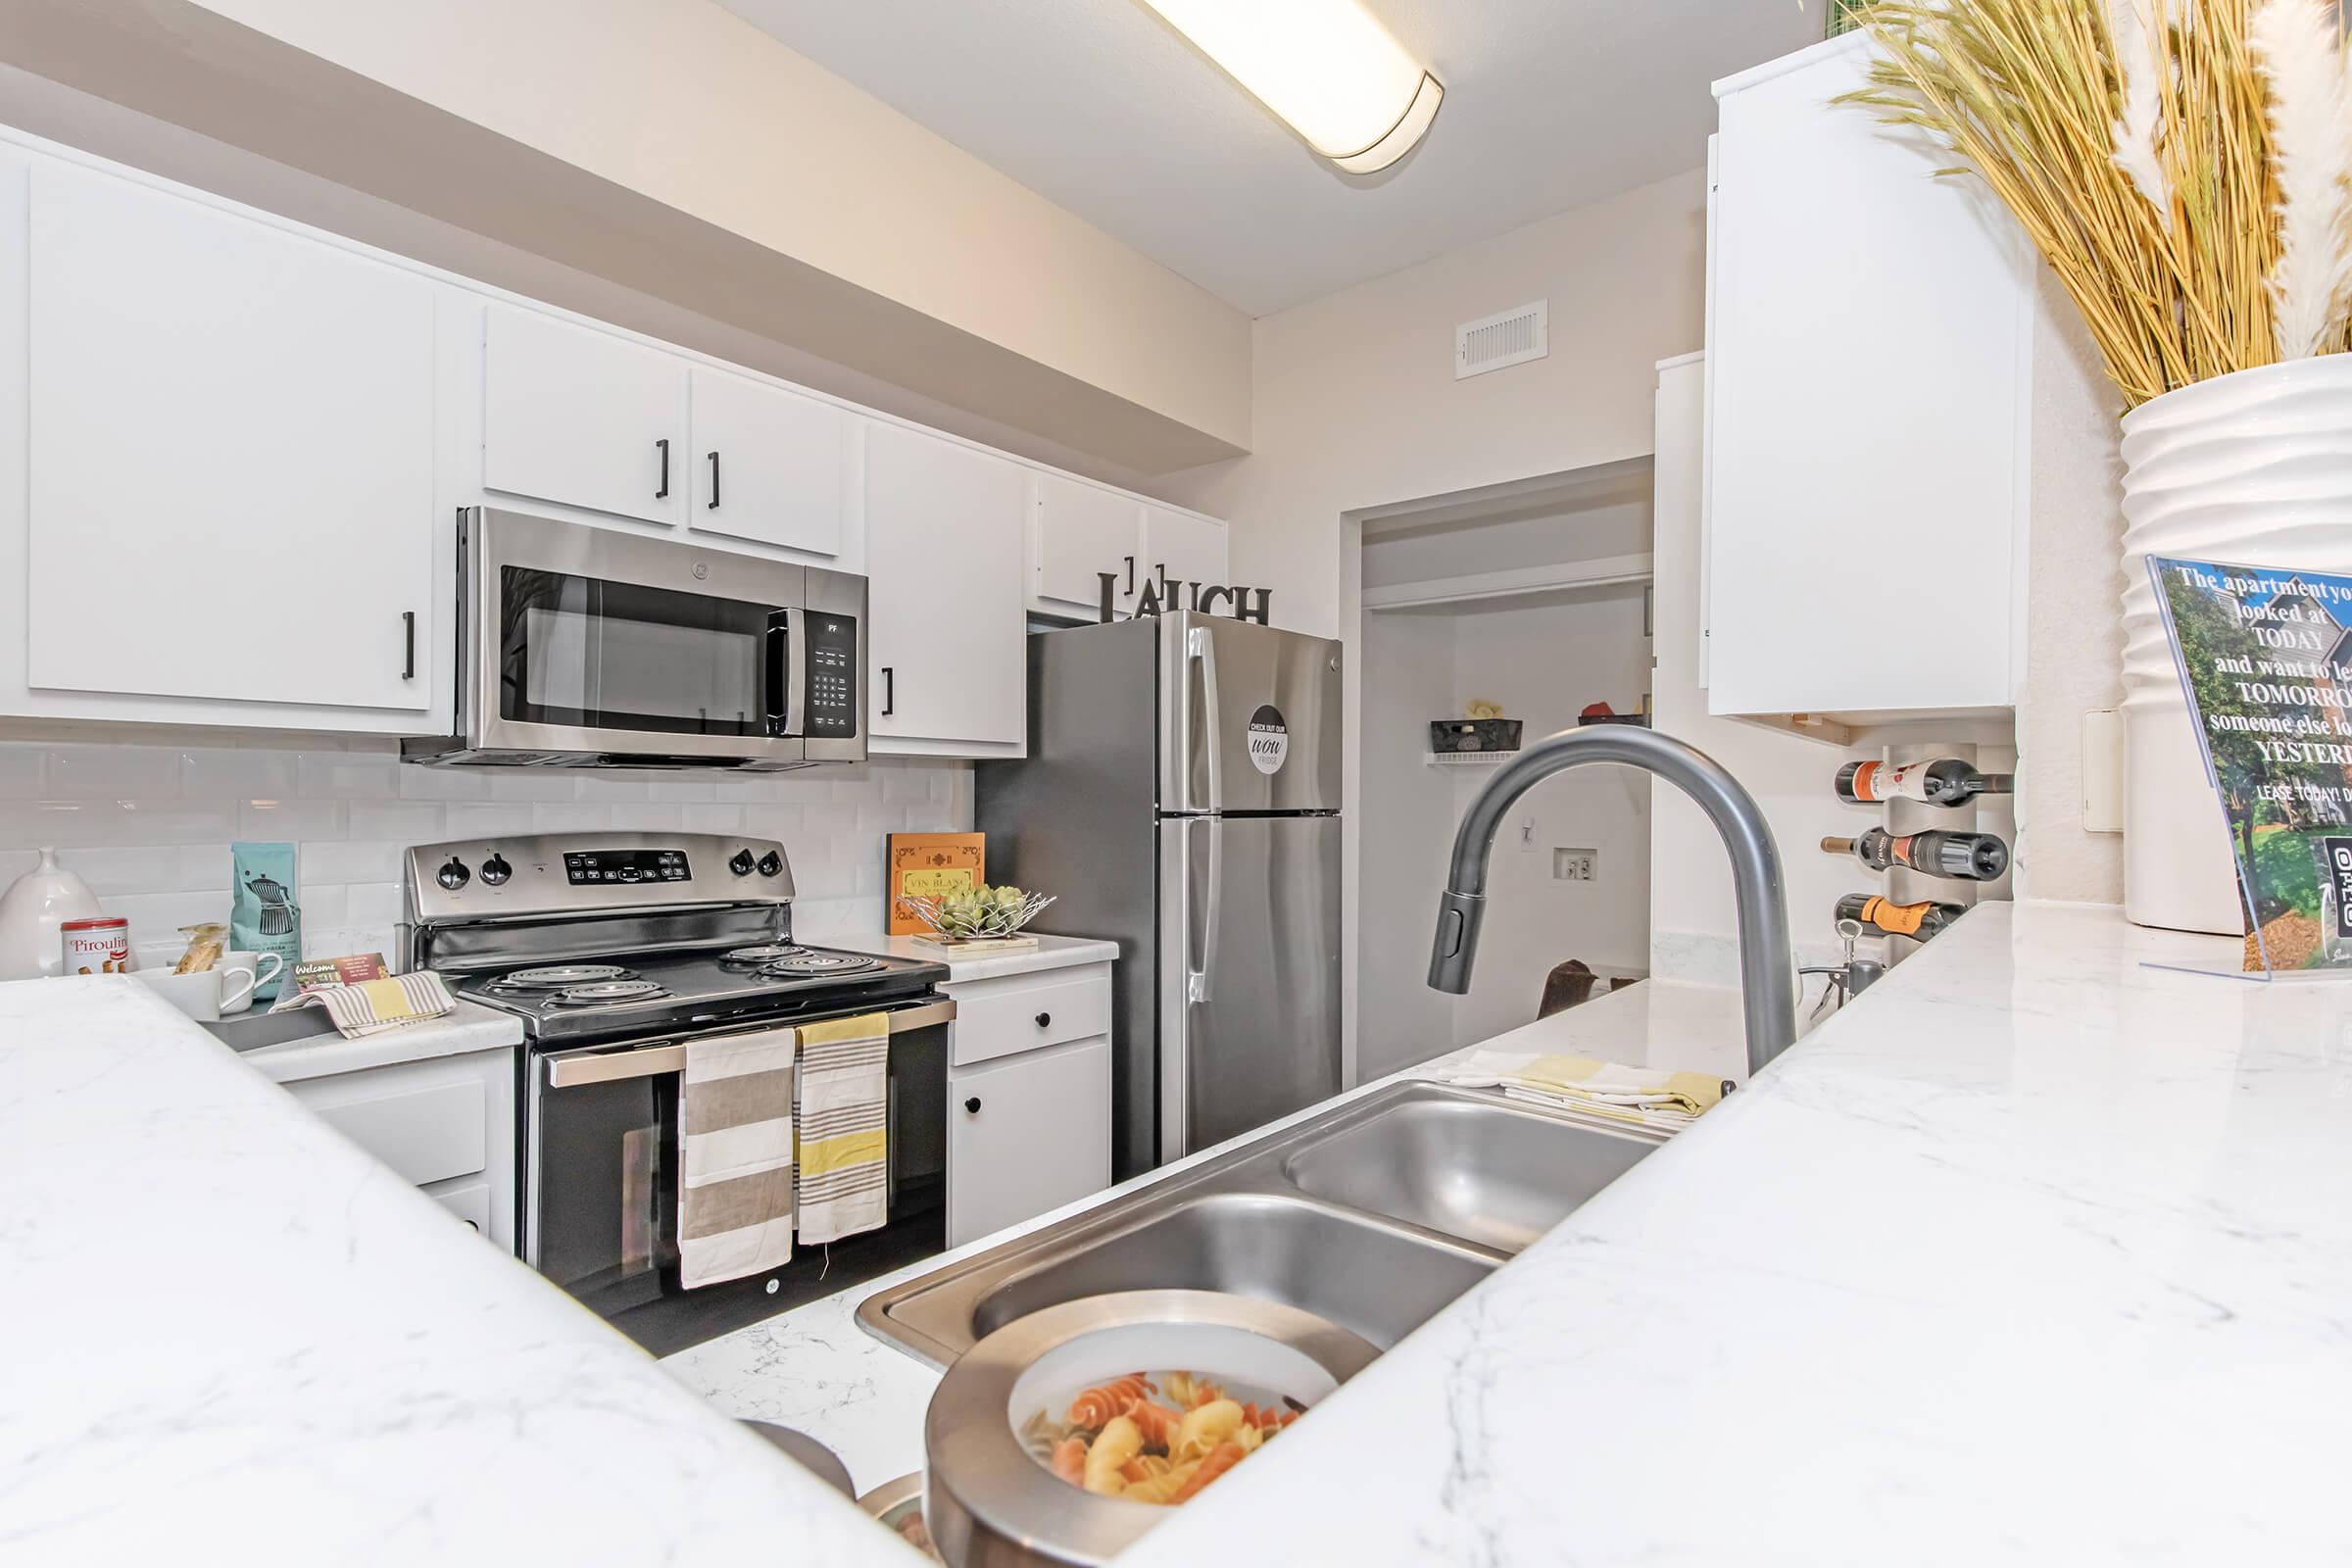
(2256, 469)
(34, 905)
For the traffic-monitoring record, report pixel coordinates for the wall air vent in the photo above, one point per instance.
(1492, 342)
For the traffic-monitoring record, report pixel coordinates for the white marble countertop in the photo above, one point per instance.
(468, 1028)
(1051, 953)
(229, 1327)
(2032, 1254)
(2036, 1253)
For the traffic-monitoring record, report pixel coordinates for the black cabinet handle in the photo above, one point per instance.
(408, 638)
(1045, 1020)
(1131, 574)
(714, 481)
(662, 445)
(890, 690)
(971, 1107)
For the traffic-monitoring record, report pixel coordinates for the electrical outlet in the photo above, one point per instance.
(1576, 865)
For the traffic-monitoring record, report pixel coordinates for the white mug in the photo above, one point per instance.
(244, 973)
(197, 994)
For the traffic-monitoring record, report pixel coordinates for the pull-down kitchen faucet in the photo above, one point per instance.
(1767, 979)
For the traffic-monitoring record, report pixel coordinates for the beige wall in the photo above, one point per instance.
(1356, 405)
(2074, 616)
(670, 146)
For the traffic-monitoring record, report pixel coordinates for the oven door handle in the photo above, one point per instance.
(648, 1061)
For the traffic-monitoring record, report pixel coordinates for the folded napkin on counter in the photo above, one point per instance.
(841, 1104)
(735, 1156)
(371, 1006)
(1654, 1097)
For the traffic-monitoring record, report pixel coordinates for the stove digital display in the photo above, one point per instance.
(595, 867)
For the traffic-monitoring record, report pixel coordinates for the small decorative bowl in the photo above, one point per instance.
(995, 923)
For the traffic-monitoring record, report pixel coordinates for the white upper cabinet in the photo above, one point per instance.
(1182, 547)
(229, 462)
(1084, 530)
(583, 417)
(1869, 347)
(770, 464)
(946, 530)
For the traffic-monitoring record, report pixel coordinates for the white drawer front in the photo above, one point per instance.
(427, 1135)
(999, 1017)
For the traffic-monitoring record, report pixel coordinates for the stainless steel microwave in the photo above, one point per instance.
(583, 647)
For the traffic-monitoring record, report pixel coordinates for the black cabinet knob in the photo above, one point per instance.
(741, 864)
(1045, 1020)
(453, 874)
(971, 1107)
(496, 870)
(770, 863)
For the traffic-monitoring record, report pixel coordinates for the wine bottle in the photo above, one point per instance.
(1919, 921)
(1946, 781)
(1970, 857)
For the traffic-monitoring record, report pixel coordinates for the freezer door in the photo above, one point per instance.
(1249, 717)
(1250, 973)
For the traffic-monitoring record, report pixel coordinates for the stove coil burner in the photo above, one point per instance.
(604, 993)
(560, 976)
(822, 963)
(765, 952)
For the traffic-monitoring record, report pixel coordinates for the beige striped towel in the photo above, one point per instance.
(1654, 1097)
(841, 1103)
(371, 1006)
(735, 1156)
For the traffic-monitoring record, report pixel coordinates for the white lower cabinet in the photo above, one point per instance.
(1028, 1097)
(447, 1125)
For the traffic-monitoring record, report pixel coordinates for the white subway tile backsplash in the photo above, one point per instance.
(150, 826)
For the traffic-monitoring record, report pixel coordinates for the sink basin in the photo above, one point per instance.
(1380, 1282)
(1490, 1172)
(1373, 1214)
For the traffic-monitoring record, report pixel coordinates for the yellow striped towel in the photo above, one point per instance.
(371, 1006)
(838, 1106)
(1653, 1097)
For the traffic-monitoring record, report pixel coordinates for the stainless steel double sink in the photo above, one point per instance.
(1374, 1215)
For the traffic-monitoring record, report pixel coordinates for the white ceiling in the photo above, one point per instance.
(1101, 108)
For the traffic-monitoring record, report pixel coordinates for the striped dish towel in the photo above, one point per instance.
(735, 1157)
(842, 1099)
(371, 1006)
(1653, 1097)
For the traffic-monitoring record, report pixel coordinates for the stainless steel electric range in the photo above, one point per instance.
(615, 950)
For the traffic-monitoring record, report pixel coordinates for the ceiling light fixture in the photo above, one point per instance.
(1326, 67)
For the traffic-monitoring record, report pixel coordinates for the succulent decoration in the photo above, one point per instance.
(975, 913)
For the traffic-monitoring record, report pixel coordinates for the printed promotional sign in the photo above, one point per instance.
(1269, 739)
(2264, 656)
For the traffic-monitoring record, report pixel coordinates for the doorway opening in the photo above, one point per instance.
(1534, 596)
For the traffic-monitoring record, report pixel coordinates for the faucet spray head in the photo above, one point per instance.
(1456, 947)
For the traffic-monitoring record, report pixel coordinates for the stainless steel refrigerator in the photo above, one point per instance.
(1180, 796)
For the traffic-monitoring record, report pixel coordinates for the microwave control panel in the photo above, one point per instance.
(830, 709)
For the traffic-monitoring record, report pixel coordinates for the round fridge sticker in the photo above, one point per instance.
(1269, 739)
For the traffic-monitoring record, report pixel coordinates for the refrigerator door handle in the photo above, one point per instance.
(1197, 981)
(1200, 648)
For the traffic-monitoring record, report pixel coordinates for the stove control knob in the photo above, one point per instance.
(453, 874)
(770, 863)
(741, 865)
(495, 869)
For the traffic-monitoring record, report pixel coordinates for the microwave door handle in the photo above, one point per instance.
(787, 674)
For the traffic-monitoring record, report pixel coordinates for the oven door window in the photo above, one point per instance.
(604, 1200)
(587, 654)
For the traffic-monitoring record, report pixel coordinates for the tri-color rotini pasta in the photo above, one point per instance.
(1120, 1440)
